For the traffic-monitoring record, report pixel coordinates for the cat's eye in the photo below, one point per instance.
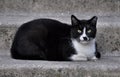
(79, 31)
(89, 31)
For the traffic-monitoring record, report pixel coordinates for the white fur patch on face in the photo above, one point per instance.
(84, 52)
(83, 35)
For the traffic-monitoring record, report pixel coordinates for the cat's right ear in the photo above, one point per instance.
(74, 20)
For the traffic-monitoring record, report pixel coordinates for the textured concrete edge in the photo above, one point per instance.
(58, 72)
(105, 67)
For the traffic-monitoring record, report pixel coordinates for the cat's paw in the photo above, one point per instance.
(94, 58)
(78, 58)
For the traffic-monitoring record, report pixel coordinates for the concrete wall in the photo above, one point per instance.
(81, 7)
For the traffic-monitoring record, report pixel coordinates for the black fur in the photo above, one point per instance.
(43, 39)
(98, 54)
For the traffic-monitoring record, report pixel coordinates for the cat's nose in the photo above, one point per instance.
(85, 38)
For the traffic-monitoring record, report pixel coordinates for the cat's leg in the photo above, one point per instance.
(95, 57)
(79, 57)
(97, 54)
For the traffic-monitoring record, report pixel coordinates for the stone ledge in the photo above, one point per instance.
(107, 66)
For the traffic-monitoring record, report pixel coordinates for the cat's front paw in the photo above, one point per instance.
(78, 58)
(93, 58)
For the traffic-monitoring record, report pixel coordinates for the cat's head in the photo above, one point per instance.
(83, 30)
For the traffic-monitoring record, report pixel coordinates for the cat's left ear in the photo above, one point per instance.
(93, 20)
(74, 20)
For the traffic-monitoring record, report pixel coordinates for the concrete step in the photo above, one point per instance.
(107, 37)
(107, 66)
(13, 13)
(86, 7)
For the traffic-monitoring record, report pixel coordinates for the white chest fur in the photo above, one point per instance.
(84, 52)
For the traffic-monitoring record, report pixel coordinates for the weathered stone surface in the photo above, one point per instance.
(6, 37)
(108, 39)
(105, 67)
(13, 13)
(86, 7)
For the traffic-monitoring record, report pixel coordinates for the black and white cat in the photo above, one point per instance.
(47, 39)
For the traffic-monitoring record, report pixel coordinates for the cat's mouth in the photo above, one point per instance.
(84, 41)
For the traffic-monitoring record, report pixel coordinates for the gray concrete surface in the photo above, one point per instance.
(86, 7)
(13, 13)
(107, 66)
